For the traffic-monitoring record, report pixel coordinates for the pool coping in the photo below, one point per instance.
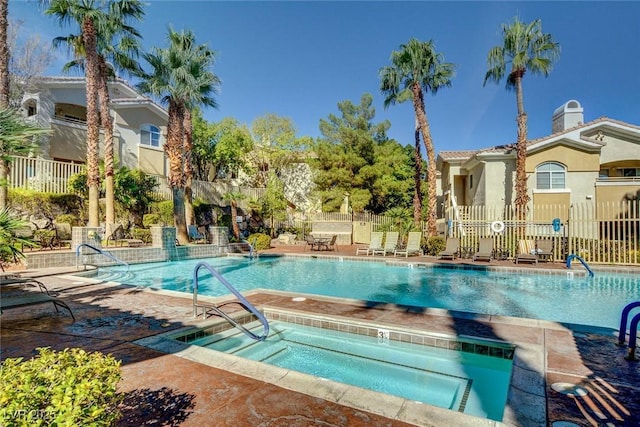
(394, 407)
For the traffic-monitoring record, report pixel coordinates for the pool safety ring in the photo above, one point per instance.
(497, 226)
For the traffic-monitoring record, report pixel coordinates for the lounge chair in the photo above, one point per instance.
(413, 245)
(13, 294)
(544, 249)
(375, 243)
(452, 249)
(485, 249)
(390, 244)
(526, 251)
(195, 235)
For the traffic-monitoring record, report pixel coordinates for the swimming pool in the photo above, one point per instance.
(463, 380)
(594, 301)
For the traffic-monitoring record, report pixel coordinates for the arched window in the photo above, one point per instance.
(150, 135)
(550, 176)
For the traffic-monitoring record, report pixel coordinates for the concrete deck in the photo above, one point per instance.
(192, 389)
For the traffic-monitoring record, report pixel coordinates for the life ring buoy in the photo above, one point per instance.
(497, 226)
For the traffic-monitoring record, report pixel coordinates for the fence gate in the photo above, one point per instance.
(361, 232)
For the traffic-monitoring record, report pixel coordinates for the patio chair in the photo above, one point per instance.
(452, 249)
(115, 232)
(413, 245)
(526, 251)
(310, 241)
(544, 249)
(375, 243)
(485, 249)
(329, 245)
(195, 235)
(390, 244)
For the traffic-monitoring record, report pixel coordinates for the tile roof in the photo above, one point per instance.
(467, 154)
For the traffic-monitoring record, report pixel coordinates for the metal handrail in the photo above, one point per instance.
(100, 251)
(579, 258)
(247, 305)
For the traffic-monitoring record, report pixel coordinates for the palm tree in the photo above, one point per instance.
(16, 138)
(118, 47)
(89, 16)
(4, 53)
(179, 77)
(525, 48)
(233, 198)
(417, 68)
(204, 84)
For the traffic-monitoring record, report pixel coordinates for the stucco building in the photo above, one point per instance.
(593, 162)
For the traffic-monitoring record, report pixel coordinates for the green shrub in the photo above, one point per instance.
(143, 234)
(44, 237)
(259, 241)
(70, 387)
(68, 218)
(434, 245)
(151, 219)
(165, 210)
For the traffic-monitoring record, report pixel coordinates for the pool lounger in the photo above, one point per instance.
(25, 299)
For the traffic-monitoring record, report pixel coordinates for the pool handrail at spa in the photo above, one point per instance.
(243, 301)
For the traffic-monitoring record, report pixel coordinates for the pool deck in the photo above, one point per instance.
(183, 389)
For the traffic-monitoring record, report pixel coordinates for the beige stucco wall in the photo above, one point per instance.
(573, 159)
(619, 150)
(547, 206)
(151, 160)
(68, 143)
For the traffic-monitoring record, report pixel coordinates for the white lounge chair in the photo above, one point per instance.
(485, 249)
(452, 249)
(413, 245)
(375, 243)
(390, 244)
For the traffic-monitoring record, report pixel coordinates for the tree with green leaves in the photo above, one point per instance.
(524, 48)
(355, 157)
(274, 203)
(275, 147)
(16, 138)
(179, 77)
(118, 47)
(219, 148)
(417, 69)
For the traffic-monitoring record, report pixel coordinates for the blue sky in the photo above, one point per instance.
(298, 59)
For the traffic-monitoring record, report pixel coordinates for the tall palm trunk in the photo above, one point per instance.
(188, 167)
(93, 130)
(421, 115)
(174, 151)
(4, 91)
(4, 54)
(417, 176)
(107, 126)
(522, 197)
(234, 215)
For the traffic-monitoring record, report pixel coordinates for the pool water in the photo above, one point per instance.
(466, 382)
(596, 301)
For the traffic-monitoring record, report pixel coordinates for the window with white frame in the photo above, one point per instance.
(150, 135)
(550, 176)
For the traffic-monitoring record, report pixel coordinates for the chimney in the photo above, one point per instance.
(567, 116)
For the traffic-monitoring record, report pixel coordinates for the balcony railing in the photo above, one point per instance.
(51, 176)
(620, 179)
